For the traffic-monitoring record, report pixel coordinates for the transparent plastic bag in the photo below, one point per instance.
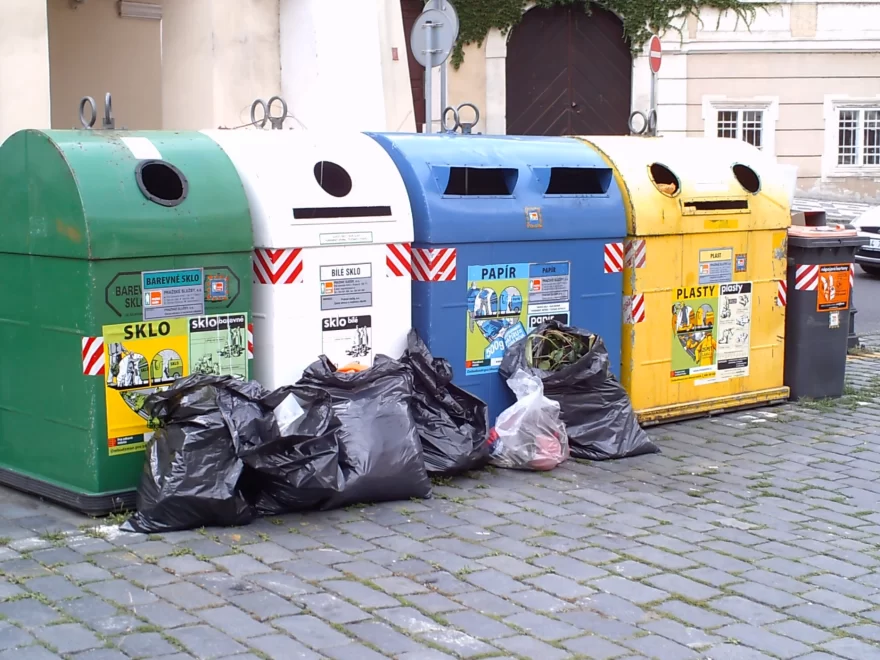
(530, 435)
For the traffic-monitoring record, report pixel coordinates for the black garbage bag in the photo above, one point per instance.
(291, 452)
(596, 409)
(192, 469)
(453, 425)
(379, 450)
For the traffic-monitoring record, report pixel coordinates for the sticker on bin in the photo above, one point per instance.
(635, 253)
(171, 294)
(346, 286)
(614, 257)
(93, 356)
(282, 266)
(634, 309)
(806, 278)
(399, 260)
(433, 264)
(216, 288)
(781, 293)
(833, 289)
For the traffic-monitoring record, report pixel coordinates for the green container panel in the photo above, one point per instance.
(76, 235)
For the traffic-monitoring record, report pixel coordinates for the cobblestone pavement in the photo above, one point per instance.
(846, 211)
(754, 535)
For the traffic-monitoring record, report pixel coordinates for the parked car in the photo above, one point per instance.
(868, 256)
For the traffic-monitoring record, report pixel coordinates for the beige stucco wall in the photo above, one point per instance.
(467, 84)
(93, 51)
(800, 83)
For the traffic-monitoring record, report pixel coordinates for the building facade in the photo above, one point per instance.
(802, 81)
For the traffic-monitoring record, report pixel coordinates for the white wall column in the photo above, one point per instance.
(217, 57)
(337, 66)
(24, 67)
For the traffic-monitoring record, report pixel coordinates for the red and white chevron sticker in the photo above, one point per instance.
(284, 266)
(806, 278)
(782, 293)
(613, 257)
(852, 277)
(633, 309)
(399, 260)
(250, 346)
(635, 253)
(433, 264)
(93, 356)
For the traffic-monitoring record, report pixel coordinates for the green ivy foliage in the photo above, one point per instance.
(641, 18)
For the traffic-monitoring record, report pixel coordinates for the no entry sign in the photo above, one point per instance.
(655, 54)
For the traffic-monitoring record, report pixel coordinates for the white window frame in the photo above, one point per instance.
(833, 106)
(768, 106)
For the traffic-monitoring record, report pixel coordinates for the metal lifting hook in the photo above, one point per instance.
(466, 127)
(108, 122)
(276, 122)
(648, 124)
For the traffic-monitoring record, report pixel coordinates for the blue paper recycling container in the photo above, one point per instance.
(509, 232)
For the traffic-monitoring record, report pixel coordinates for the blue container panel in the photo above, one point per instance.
(440, 309)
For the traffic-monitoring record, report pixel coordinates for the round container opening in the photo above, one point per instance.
(161, 182)
(664, 179)
(747, 178)
(332, 178)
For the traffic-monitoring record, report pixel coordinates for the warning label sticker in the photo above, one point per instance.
(833, 289)
(346, 286)
(348, 339)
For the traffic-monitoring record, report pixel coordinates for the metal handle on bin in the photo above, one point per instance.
(466, 127)
(107, 122)
(276, 122)
(649, 123)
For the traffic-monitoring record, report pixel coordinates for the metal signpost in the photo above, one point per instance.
(649, 119)
(432, 39)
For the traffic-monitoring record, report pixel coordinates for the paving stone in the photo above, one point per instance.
(752, 636)
(332, 608)
(188, 596)
(164, 615)
(487, 603)
(480, 626)
(434, 603)
(762, 593)
(312, 631)
(384, 637)
(711, 576)
(281, 647)
(234, 622)
(746, 610)
(147, 575)
(13, 636)
(206, 643)
(8, 590)
(820, 615)
(84, 572)
(800, 631)
(29, 653)
(538, 601)
(837, 601)
(239, 565)
(145, 645)
(852, 649)
(531, 648)
(694, 616)
(68, 637)
(681, 586)
(654, 646)
(542, 627)
(28, 613)
(595, 648)
(736, 652)
(629, 590)
(353, 652)
(264, 605)
(107, 654)
(121, 592)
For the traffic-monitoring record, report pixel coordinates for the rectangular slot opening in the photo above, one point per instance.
(719, 205)
(578, 181)
(324, 213)
(481, 181)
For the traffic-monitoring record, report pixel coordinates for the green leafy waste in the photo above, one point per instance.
(641, 18)
(552, 350)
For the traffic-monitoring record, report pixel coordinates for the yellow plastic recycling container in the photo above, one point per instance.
(704, 268)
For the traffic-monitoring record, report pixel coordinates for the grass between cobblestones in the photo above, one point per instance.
(753, 535)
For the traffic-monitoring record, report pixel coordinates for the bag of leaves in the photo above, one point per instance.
(380, 454)
(453, 425)
(192, 469)
(530, 434)
(573, 365)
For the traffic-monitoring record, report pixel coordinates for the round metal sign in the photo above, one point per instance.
(443, 37)
(655, 54)
(446, 7)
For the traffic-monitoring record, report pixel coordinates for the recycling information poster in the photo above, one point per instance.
(141, 358)
(711, 332)
(505, 302)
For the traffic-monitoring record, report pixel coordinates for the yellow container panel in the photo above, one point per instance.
(703, 322)
(691, 185)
